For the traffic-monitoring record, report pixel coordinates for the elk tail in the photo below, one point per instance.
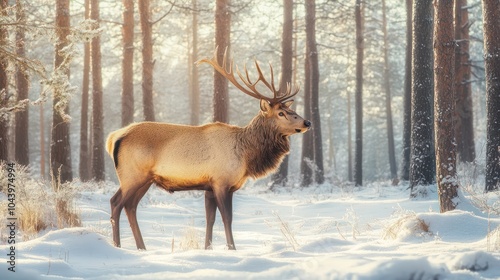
(113, 144)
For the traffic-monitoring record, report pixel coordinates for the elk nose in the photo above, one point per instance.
(307, 123)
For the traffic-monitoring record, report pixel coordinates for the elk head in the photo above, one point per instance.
(276, 108)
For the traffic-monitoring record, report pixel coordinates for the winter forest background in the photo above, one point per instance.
(182, 32)
(397, 179)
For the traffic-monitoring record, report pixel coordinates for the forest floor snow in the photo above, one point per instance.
(323, 232)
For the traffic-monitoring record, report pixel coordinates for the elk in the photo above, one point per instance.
(217, 158)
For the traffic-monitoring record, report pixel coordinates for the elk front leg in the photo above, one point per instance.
(224, 201)
(210, 209)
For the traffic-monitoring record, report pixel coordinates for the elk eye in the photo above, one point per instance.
(281, 114)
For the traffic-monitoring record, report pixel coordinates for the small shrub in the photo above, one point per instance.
(65, 210)
(32, 220)
(31, 210)
(351, 218)
(39, 206)
(287, 233)
(406, 224)
(493, 240)
(190, 239)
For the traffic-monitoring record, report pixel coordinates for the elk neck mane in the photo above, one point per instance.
(262, 146)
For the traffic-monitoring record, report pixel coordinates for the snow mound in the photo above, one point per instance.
(452, 226)
(72, 252)
(474, 261)
(457, 225)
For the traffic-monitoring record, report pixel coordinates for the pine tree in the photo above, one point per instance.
(60, 150)
(444, 104)
(22, 85)
(280, 177)
(314, 72)
(358, 99)
(422, 168)
(147, 60)
(128, 63)
(464, 129)
(194, 81)
(388, 109)
(222, 34)
(491, 22)
(85, 167)
(97, 113)
(307, 140)
(405, 165)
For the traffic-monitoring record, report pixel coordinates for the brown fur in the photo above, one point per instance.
(262, 147)
(215, 157)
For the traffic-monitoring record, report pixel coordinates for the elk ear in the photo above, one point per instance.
(265, 106)
(288, 103)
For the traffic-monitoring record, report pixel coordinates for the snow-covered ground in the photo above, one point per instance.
(324, 232)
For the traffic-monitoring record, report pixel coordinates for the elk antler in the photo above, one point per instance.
(250, 87)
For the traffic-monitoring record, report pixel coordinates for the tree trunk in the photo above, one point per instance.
(405, 170)
(422, 168)
(3, 89)
(280, 177)
(60, 150)
(306, 169)
(491, 22)
(222, 34)
(319, 173)
(97, 113)
(349, 138)
(147, 60)
(358, 155)
(42, 142)
(195, 83)
(388, 109)
(464, 130)
(128, 63)
(22, 84)
(84, 168)
(444, 104)
(332, 161)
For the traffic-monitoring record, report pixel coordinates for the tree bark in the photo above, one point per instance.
(3, 90)
(22, 84)
(97, 110)
(84, 168)
(422, 159)
(60, 150)
(349, 139)
(388, 109)
(319, 173)
(358, 155)
(222, 35)
(195, 83)
(491, 22)
(307, 139)
(444, 104)
(280, 177)
(42, 142)
(405, 165)
(147, 60)
(128, 63)
(464, 128)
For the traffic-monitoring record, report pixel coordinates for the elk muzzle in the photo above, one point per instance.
(307, 125)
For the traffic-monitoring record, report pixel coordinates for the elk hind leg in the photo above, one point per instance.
(131, 210)
(210, 210)
(116, 209)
